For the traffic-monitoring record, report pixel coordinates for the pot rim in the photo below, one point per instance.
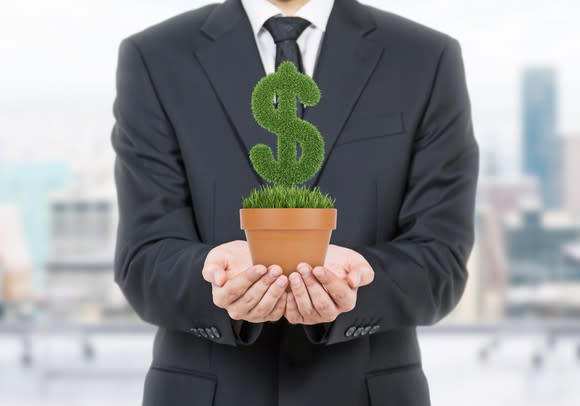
(285, 218)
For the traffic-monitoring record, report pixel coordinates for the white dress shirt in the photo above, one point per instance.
(315, 11)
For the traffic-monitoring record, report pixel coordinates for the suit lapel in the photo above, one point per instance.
(345, 63)
(233, 65)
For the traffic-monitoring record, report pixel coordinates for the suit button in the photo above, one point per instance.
(366, 330)
(203, 333)
(374, 329)
(216, 332)
(195, 332)
(209, 332)
(358, 331)
(350, 331)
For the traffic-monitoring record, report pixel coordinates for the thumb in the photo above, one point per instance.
(354, 277)
(213, 273)
(219, 277)
(360, 274)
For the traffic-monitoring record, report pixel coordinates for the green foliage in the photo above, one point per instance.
(288, 83)
(287, 172)
(267, 196)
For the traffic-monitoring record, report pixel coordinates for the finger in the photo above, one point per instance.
(254, 294)
(280, 308)
(292, 314)
(266, 305)
(219, 277)
(360, 274)
(368, 275)
(338, 269)
(343, 295)
(302, 298)
(237, 286)
(320, 298)
(209, 270)
(354, 277)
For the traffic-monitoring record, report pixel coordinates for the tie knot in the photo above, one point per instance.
(286, 28)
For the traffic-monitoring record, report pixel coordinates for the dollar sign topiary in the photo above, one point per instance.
(288, 83)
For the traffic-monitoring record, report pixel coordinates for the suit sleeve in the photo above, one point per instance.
(420, 274)
(158, 256)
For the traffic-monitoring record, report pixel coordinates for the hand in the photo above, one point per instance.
(319, 295)
(248, 292)
(345, 262)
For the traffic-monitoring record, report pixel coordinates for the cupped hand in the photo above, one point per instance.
(320, 294)
(247, 292)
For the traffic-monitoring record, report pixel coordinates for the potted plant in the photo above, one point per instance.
(286, 223)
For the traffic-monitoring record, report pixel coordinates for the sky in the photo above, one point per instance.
(58, 60)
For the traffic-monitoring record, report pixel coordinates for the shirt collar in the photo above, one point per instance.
(315, 11)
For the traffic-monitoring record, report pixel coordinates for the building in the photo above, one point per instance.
(83, 220)
(535, 240)
(15, 264)
(541, 146)
(27, 186)
(571, 172)
(507, 194)
(484, 298)
(484, 295)
(80, 283)
(571, 254)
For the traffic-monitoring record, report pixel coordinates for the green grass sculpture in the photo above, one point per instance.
(286, 173)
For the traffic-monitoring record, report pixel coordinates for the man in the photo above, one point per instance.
(401, 162)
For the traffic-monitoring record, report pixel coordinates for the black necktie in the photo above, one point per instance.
(285, 31)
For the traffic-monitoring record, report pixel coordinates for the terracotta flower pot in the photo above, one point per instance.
(287, 237)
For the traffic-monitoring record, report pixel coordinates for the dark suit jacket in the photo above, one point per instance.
(401, 162)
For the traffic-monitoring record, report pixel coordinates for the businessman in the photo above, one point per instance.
(401, 161)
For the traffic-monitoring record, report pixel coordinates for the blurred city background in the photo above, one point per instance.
(68, 337)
